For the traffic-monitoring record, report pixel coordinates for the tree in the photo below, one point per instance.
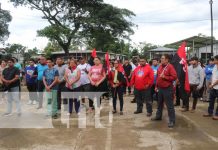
(5, 18)
(74, 20)
(15, 49)
(145, 47)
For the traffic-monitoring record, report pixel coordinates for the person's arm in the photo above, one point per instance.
(77, 77)
(201, 79)
(151, 77)
(132, 81)
(45, 84)
(89, 76)
(55, 79)
(172, 74)
(16, 77)
(104, 77)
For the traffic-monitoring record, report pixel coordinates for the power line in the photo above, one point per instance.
(173, 21)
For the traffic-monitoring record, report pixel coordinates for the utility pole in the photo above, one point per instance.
(211, 14)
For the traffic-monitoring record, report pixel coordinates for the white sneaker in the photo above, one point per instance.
(29, 103)
(7, 114)
(34, 102)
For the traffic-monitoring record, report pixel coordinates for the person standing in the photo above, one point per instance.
(3, 65)
(10, 78)
(154, 67)
(208, 73)
(73, 84)
(196, 81)
(97, 75)
(31, 82)
(213, 92)
(117, 80)
(50, 81)
(61, 67)
(128, 71)
(166, 75)
(41, 67)
(84, 79)
(142, 80)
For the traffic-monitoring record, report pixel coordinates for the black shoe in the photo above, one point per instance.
(177, 105)
(39, 107)
(171, 125)
(156, 119)
(114, 111)
(55, 116)
(149, 114)
(133, 101)
(137, 112)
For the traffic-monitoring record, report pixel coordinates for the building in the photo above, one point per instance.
(157, 52)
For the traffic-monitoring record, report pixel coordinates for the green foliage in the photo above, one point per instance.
(98, 24)
(5, 18)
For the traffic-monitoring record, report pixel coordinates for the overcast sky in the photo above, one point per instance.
(159, 21)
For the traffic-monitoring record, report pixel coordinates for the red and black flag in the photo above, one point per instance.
(180, 64)
(93, 55)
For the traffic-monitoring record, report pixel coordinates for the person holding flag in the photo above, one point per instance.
(166, 75)
(180, 64)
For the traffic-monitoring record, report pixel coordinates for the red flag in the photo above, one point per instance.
(182, 54)
(107, 62)
(94, 54)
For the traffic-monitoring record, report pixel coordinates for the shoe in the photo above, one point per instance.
(55, 116)
(192, 111)
(114, 111)
(7, 114)
(39, 107)
(19, 114)
(207, 115)
(176, 105)
(156, 119)
(184, 110)
(149, 114)
(133, 101)
(34, 102)
(215, 117)
(137, 112)
(121, 113)
(68, 114)
(29, 103)
(171, 125)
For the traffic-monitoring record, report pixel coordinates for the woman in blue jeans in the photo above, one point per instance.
(73, 84)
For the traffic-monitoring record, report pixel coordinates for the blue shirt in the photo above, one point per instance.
(208, 71)
(50, 74)
(29, 71)
(40, 69)
(155, 68)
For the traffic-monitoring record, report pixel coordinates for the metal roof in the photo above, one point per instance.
(196, 41)
(162, 49)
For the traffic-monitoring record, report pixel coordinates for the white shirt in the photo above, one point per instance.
(215, 76)
(84, 79)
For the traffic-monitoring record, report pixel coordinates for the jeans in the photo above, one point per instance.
(52, 107)
(61, 86)
(87, 88)
(141, 97)
(166, 94)
(40, 89)
(32, 91)
(13, 95)
(213, 96)
(117, 91)
(74, 100)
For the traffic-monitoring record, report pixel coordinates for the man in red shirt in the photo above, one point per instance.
(166, 75)
(142, 80)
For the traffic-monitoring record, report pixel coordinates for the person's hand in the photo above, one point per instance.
(156, 89)
(146, 86)
(162, 76)
(114, 86)
(210, 86)
(47, 89)
(97, 84)
(198, 88)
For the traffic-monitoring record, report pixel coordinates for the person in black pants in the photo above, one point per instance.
(116, 79)
(128, 71)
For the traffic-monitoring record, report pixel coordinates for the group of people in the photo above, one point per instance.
(156, 80)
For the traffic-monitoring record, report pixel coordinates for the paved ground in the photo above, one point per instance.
(129, 132)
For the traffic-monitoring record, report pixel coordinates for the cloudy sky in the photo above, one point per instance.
(159, 21)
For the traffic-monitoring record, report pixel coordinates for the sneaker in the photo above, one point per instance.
(207, 115)
(171, 125)
(121, 113)
(19, 114)
(184, 109)
(34, 102)
(7, 114)
(137, 112)
(156, 119)
(68, 114)
(114, 111)
(30, 103)
(192, 111)
(215, 117)
(149, 114)
(55, 116)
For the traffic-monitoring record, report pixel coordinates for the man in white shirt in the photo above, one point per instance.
(85, 82)
(213, 92)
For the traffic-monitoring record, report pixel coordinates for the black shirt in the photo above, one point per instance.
(127, 69)
(9, 74)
